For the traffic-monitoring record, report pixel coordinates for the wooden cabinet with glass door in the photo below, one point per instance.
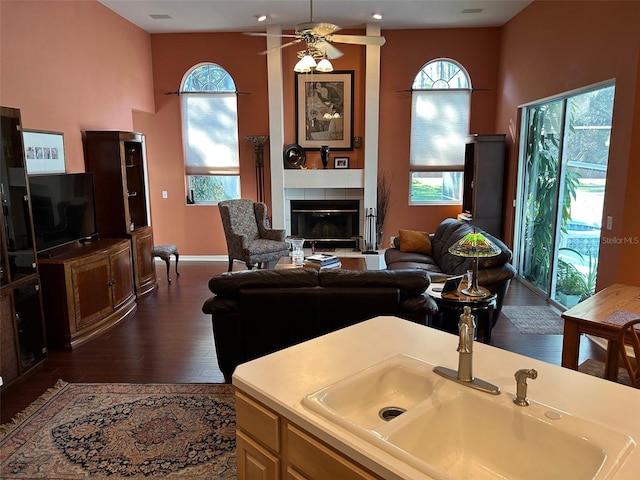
(23, 347)
(118, 161)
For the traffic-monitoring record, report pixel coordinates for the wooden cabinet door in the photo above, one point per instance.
(144, 266)
(254, 461)
(315, 460)
(91, 292)
(121, 278)
(9, 369)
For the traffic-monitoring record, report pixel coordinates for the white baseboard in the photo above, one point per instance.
(199, 258)
(601, 342)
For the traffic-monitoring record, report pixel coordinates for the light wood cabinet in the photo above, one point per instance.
(87, 290)
(23, 346)
(484, 167)
(119, 163)
(270, 447)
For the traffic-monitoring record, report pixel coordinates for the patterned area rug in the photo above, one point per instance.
(541, 320)
(78, 431)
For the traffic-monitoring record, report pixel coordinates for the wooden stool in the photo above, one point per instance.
(165, 252)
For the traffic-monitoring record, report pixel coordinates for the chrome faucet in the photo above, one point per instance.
(466, 331)
(464, 375)
(521, 385)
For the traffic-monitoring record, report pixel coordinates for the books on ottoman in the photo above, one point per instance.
(317, 265)
(321, 259)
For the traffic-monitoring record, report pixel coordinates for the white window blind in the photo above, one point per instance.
(439, 127)
(210, 133)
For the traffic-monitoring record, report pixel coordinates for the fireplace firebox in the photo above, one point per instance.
(327, 223)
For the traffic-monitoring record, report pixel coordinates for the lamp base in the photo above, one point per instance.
(472, 292)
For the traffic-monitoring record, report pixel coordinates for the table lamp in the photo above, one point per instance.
(474, 245)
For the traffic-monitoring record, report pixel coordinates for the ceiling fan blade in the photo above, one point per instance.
(329, 50)
(281, 46)
(357, 39)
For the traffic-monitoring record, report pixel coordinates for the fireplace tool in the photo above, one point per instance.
(370, 237)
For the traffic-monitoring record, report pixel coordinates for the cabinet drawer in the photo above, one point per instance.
(317, 461)
(258, 421)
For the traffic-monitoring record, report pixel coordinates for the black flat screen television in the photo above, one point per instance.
(63, 207)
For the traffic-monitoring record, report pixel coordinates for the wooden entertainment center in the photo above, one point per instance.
(68, 289)
(88, 289)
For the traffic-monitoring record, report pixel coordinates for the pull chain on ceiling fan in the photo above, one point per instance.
(319, 38)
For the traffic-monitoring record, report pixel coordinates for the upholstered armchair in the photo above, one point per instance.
(248, 237)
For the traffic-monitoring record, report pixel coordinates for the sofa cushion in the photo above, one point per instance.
(410, 282)
(228, 284)
(414, 241)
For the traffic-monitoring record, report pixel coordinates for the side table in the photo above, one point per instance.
(451, 306)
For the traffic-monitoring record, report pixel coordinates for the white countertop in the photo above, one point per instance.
(282, 379)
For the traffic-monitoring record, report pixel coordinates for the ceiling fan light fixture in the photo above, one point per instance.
(261, 18)
(376, 15)
(324, 66)
(305, 64)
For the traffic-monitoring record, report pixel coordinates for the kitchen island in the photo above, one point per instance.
(275, 385)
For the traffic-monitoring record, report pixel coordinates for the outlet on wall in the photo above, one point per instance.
(165, 194)
(609, 223)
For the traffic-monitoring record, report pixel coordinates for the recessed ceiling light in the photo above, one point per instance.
(160, 16)
(261, 18)
(376, 15)
(472, 10)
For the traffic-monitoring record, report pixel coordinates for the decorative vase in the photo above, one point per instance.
(324, 156)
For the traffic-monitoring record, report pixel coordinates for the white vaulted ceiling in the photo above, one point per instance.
(173, 16)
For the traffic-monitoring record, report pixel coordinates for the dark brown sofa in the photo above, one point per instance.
(258, 312)
(494, 273)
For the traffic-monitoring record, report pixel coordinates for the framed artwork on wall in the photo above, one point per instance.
(324, 110)
(341, 162)
(44, 151)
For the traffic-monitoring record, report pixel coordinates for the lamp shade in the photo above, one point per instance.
(474, 245)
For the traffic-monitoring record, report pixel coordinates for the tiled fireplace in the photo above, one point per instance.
(336, 197)
(331, 223)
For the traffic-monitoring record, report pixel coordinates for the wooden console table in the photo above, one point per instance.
(590, 317)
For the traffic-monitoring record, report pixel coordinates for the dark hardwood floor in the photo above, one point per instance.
(170, 340)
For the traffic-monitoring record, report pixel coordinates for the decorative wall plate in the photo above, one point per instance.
(294, 156)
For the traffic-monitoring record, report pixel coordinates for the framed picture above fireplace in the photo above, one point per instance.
(324, 110)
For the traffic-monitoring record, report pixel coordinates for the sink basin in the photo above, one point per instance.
(372, 397)
(450, 431)
(474, 436)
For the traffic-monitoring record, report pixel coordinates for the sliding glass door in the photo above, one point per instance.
(562, 182)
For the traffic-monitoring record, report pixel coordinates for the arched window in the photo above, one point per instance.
(209, 104)
(441, 97)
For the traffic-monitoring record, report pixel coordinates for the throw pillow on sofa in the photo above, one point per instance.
(414, 241)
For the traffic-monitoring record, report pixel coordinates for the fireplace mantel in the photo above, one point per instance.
(332, 178)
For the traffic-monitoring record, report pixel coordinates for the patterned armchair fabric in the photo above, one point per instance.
(248, 237)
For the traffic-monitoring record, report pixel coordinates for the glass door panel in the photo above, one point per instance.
(562, 185)
(540, 192)
(584, 169)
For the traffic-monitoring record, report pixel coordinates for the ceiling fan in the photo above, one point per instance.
(319, 36)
